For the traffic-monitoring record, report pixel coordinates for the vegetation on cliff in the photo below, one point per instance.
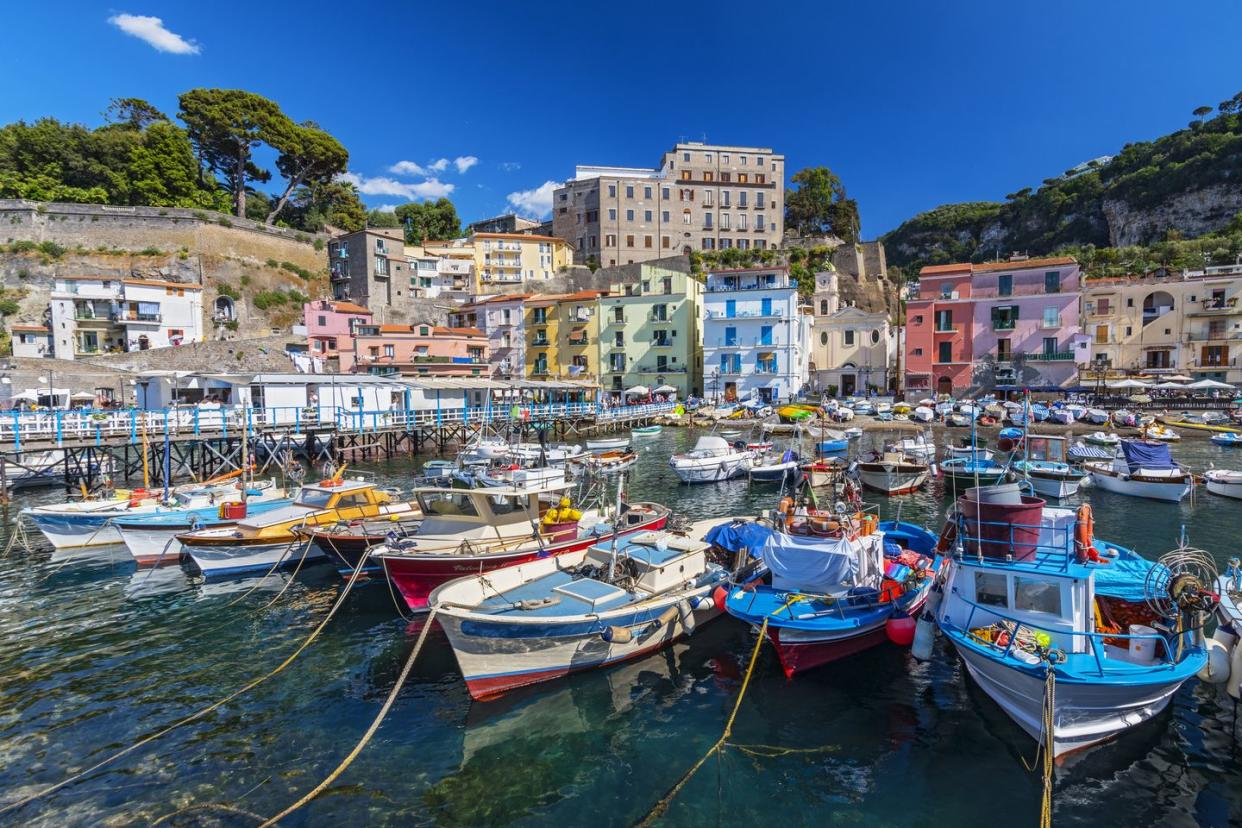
(1068, 212)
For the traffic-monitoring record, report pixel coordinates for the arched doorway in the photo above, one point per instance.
(849, 380)
(944, 385)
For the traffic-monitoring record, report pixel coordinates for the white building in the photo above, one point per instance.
(441, 273)
(851, 350)
(755, 336)
(31, 340)
(95, 314)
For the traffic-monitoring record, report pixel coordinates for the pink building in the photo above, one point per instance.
(939, 348)
(330, 326)
(417, 350)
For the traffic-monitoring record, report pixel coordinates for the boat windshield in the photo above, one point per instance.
(447, 503)
(314, 498)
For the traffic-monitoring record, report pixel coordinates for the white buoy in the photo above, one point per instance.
(1233, 685)
(925, 630)
(1216, 669)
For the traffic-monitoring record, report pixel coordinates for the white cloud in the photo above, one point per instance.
(431, 188)
(536, 202)
(407, 168)
(465, 162)
(151, 31)
(386, 208)
(439, 165)
(509, 166)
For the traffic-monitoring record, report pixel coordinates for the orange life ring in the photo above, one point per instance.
(1084, 535)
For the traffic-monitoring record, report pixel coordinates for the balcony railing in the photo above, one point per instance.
(749, 314)
(134, 316)
(1050, 356)
(668, 369)
(1212, 336)
(1220, 306)
(539, 342)
(89, 316)
(717, 287)
(1004, 326)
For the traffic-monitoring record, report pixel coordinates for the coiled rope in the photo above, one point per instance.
(370, 731)
(340, 600)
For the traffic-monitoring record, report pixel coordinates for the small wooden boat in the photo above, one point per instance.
(1096, 416)
(607, 443)
(646, 431)
(439, 470)
(1080, 452)
(924, 414)
(1224, 482)
(824, 472)
(775, 468)
(893, 473)
(610, 462)
(1043, 465)
(798, 412)
(347, 542)
(963, 472)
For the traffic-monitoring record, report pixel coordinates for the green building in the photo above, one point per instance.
(651, 328)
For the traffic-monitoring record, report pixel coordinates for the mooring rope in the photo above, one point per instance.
(366, 737)
(340, 600)
(1047, 745)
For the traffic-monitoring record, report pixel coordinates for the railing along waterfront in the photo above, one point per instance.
(87, 425)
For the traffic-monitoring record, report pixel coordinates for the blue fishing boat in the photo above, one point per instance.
(961, 472)
(1228, 438)
(1075, 638)
(1044, 468)
(152, 538)
(836, 595)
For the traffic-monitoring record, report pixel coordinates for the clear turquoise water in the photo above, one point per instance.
(94, 655)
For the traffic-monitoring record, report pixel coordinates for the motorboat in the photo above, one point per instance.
(962, 472)
(646, 431)
(1224, 482)
(1080, 452)
(835, 594)
(486, 448)
(775, 468)
(923, 414)
(831, 441)
(1029, 591)
(1103, 438)
(1144, 469)
(826, 471)
(1227, 438)
(552, 454)
(1155, 431)
(267, 541)
(922, 446)
(90, 522)
(712, 459)
(439, 470)
(1044, 466)
(1096, 416)
(607, 602)
(607, 443)
(152, 538)
(609, 462)
(893, 473)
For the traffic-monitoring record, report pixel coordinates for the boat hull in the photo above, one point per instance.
(891, 481)
(152, 545)
(233, 559)
(67, 531)
(1172, 492)
(1224, 489)
(415, 577)
(1086, 713)
(802, 650)
(717, 470)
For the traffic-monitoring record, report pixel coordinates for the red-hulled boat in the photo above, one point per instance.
(468, 531)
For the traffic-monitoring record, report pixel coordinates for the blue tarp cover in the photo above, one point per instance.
(816, 565)
(1147, 455)
(1123, 577)
(734, 536)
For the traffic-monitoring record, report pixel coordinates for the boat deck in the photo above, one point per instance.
(577, 596)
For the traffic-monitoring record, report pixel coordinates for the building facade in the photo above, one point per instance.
(1165, 323)
(504, 261)
(31, 340)
(851, 351)
(501, 318)
(561, 335)
(93, 315)
(330, 328)
(651, 332)
(755, 335)
(444, 273)
(369, 268)
(699, 197)
(508, 223)
(417, 350)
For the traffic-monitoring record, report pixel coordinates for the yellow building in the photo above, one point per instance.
(561, 335)
(503, 260)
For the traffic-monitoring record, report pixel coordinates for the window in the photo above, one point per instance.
(664, 192)
(946, 291)
(849, 339)
(1102, 306)
(725, 178)
(381, 266)
(875, 337)
(646, 192)
(1052, 318)
(666, 242)
(629, 241)
(724, 198)
(1030, 595)
(1004, 317)
(1004, 284)
(918, 351)
(991, 589)
(612, 190)
(707, 221)
(759, 201)
(1003, 352)
(765, 335)
(741, 199)
(760, 178)
(707, 198)
(648, 241)
(685, 216)
(724, 221)
(743, 159)
(709, 244)
(741, 221)
(685, 175)
(1050, 345)
(707, 176)
(759, 222)
(742, 178)
(1052, 281)
(944, 320)
(730, 337)
(664, 216)
(646, 215)
(823, 338)
(629, 215)
(918, 320)
(629, 190)
(1129, 330)
(946, 352)
(612, 213)
(390, 351)
(323, 320)
(685, 156)
(610, 240)
(1129, 301)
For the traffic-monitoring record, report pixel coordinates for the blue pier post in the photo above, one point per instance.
(196, 425)
(17, 429)
(60, 437)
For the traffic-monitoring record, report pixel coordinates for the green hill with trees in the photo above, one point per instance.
(1172, 201)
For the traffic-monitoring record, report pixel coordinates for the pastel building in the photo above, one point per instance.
(755, 337)
(420, 349)
(330, 327)
(30, 340)
(501, 318)
(561, 335)
(852, 351)
(651, 331)
(1023, 313)
(96, 314)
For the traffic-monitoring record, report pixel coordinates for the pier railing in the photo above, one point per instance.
(77, 427)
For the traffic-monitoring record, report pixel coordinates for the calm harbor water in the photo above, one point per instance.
(95, 655)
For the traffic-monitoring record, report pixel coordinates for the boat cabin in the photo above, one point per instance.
(1044, 448)
(487, 513)
(349, 499)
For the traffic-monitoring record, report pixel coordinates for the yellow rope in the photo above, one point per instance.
(662, 805)
(366, 737)
(1047, 746)
(200, 713)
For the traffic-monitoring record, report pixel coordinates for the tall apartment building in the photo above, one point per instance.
(95, 314)
(503, 261)
(755, 336)
(651, 332)
(699, 197)
(369, 267)
(500, 318)
(1165, 323)
(965, 312)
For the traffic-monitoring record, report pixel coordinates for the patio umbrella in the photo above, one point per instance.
(1210, 383)
(1179, 378)
(666, 389)
(1171, 386)
(25, 396)
(1128, 383)
(639, 390)
(82, 395)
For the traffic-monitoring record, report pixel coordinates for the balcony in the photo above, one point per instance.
(87, 316)
(135, 318)
(539, 342)
(579, 341)
(947, 330)
(774, 313)
(672, 369)
(655, 317)
(1216, 307)
(731, 286)
(1004, 326)
(1050, 356)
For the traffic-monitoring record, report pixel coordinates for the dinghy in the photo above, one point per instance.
(893, 473)
(646, 431)
(1228, 439)
(1224, 482)
(607, 443)
(921, 447)
(609, 462)
(775, 468)
(711, 460)
(1103, 438)
(923, 414)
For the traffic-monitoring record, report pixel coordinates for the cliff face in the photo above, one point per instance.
(1191, 213)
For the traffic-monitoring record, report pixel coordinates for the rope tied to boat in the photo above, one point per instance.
(1047, 740)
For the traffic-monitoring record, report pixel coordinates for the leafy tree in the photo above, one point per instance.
(1202, 112)
(819, 205)
(332, 204)
(226, 125)
(383, 219)
(307, 154)
(134, 113)
(162, 171)
(429, 220)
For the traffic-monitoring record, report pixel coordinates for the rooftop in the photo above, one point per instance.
(989, 267)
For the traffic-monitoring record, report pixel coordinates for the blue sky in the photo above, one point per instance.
(913, 103)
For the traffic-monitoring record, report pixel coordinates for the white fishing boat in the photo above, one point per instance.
(1096, 416)
(152, 538)
(923, 414)
(967, 451)
(1144, 469)
(90, 522)
(486, 448)
(893, 473)
(921, 446)
(610, 602)
(712, 459)
(607, 443)
(554, 454)
(1045, 468)
(1224, 482)
(1029, 591)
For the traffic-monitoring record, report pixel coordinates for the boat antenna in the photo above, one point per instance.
(616, 529)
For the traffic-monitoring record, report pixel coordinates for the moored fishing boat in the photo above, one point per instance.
(608, 462)
(825, 471)
(607, 443)
(1080, 452)
(152, 538)
(646, 431)
(1103, 438)
(837, 594)
(1224, 482)
(961, 472)
(1144, 469)
(1199, 423)
(347, 542)
(1044, 466)
(922, 446)
(893, 473)
(711, 460)
(1229, 439)
(775, 468)
(600, 605)
(259, 543)
(1076, 639)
